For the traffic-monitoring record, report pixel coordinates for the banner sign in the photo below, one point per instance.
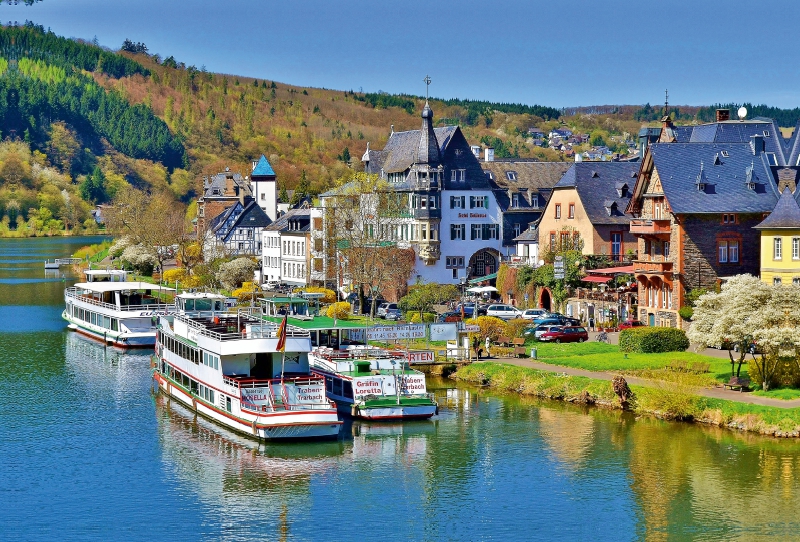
(373, 385)
(412, 384)
(470, 328)
(256, 396)
(421, 356)
(389, 333)
(443, 332)
(307, 394)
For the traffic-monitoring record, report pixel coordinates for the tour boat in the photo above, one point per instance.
(241, 371)
(114, 310)
(373, 384)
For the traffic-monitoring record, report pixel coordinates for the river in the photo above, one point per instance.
(87, 451)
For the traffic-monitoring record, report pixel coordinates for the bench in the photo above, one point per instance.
(520, 352)
(519, 341)
(736, 383)
(502, 341)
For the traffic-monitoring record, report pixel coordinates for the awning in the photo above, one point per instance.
(481, 289)
(481, 279)
(622, 270)
(596, 279)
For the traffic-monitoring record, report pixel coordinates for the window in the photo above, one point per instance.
(796, 248)
(616, 246)
(552, 240)
(517, 229)
(771, 158)
(457, 232)
(558, 210)
(456, 202)
(263, 197)
(493, 232)
(729, 218)
(796, 281)
(733, 251)
(455, 261)
(515, 200)
(478, 201)
(666, 249)
(458, 175)
(776, 280)
(475, 231)
(571, 211)
(723, 252)
(511, 175)
(423, 202)
(777, 247)
(535, 201)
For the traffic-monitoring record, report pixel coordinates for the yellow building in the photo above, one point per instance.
(780, 242)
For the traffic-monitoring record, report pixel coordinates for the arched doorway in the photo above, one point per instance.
(483, 262)
(545, 299)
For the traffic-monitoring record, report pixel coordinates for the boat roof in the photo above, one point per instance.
(201, 295)
(117, 286)
(290, 300)
(319, 323)
(105, 272)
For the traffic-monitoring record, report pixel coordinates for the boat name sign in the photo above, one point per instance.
(412, 384)
(373, 385)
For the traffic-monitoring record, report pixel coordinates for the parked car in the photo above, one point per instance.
(628, 324)
(559, 319)
(383, 307)
(393, 314)
(537, 331)
(567, 334)
(531, 314)
(449, 317)
(504, 312)
(468, 308)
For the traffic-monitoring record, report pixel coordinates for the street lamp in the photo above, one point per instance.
(603, 301)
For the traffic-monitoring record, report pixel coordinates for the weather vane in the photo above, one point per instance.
(427, 81)
(666, 100)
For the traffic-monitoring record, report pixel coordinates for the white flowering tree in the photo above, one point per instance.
(729, 318)
(232, 274)
(776, 333)
(140, 257)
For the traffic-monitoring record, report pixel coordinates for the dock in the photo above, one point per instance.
(58, 262)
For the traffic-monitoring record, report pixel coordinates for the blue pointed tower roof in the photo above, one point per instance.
(786, 214)
(263, 168)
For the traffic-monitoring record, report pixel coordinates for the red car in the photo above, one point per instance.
(627, 324)
(569, 334)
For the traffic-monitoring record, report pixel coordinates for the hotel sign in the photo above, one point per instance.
(472, 215)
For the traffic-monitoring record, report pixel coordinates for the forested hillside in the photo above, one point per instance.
(82, 121)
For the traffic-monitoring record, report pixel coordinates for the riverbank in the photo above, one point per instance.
(667, 400)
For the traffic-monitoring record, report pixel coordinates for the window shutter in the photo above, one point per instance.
(485, 202)
(452, 202)
(463, 202)
(472, 202)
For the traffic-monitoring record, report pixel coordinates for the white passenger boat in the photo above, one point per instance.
(112, 309)
(373, 384)
(229, 367)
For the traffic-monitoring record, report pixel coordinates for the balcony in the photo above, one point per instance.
(646, 226)
(652, 267)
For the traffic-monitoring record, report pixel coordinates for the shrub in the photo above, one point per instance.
(428, 317)
(516, 327)
(247, 292)
(653, 339)
(490, 326)
(184, 279)
(339, 311)
(686, 312)
(234, 273)
(140, 258)
(329, 295)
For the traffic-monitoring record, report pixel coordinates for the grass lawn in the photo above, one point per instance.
(786, 394)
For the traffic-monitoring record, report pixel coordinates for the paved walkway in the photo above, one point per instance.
(714, 393)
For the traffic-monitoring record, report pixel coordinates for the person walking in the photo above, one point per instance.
(488, 342)
(476, 345)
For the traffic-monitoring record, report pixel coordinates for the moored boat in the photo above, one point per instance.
(373, 384)
(116, 311)
(241, 371)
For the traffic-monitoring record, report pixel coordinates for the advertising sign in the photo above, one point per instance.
(305, 394)
(443, 332)
(412, 384)
(421, 356)
(388, 333)
(373, 385)
(256, 396)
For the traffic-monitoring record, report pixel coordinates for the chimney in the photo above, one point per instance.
(723, 115)
(488, 155)
(757, 144)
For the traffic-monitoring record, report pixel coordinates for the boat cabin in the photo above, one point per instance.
(106, 275)
(200, 302)
(294, 307)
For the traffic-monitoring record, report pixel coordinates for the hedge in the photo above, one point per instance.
(653, 339)
(429, 317)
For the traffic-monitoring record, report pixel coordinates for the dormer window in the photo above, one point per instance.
(773, 161)
(766, 133)
(622, 189)
(515, 200)
(717, 161)
(594, 173)
(610, 206)
(511, 175)
(724, 154)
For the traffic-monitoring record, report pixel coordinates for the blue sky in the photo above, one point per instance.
(550, 53)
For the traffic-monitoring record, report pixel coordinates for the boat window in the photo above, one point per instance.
(114, 324)
(347, 389)
(328, 384)
(228, 404)
(337, 387)
(202, 304)
(218, 305)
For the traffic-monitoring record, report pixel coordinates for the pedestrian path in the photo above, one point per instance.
(714, 393)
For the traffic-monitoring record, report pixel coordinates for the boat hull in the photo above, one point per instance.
(386, 412)
(120, 340)
(316, 424)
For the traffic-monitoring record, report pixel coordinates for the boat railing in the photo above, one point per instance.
(273, 404)
(76, 293)
(235, 328)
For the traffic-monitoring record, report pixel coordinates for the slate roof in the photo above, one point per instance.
(263, 168)
(786, 214)
(218, 183)
(596, 184)
(402, 149)
(533, 180)
(530, 234)
(252, 216)
(282, 223)
(679, 165)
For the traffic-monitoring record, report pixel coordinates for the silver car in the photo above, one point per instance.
(504, 312)
(541, 330)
